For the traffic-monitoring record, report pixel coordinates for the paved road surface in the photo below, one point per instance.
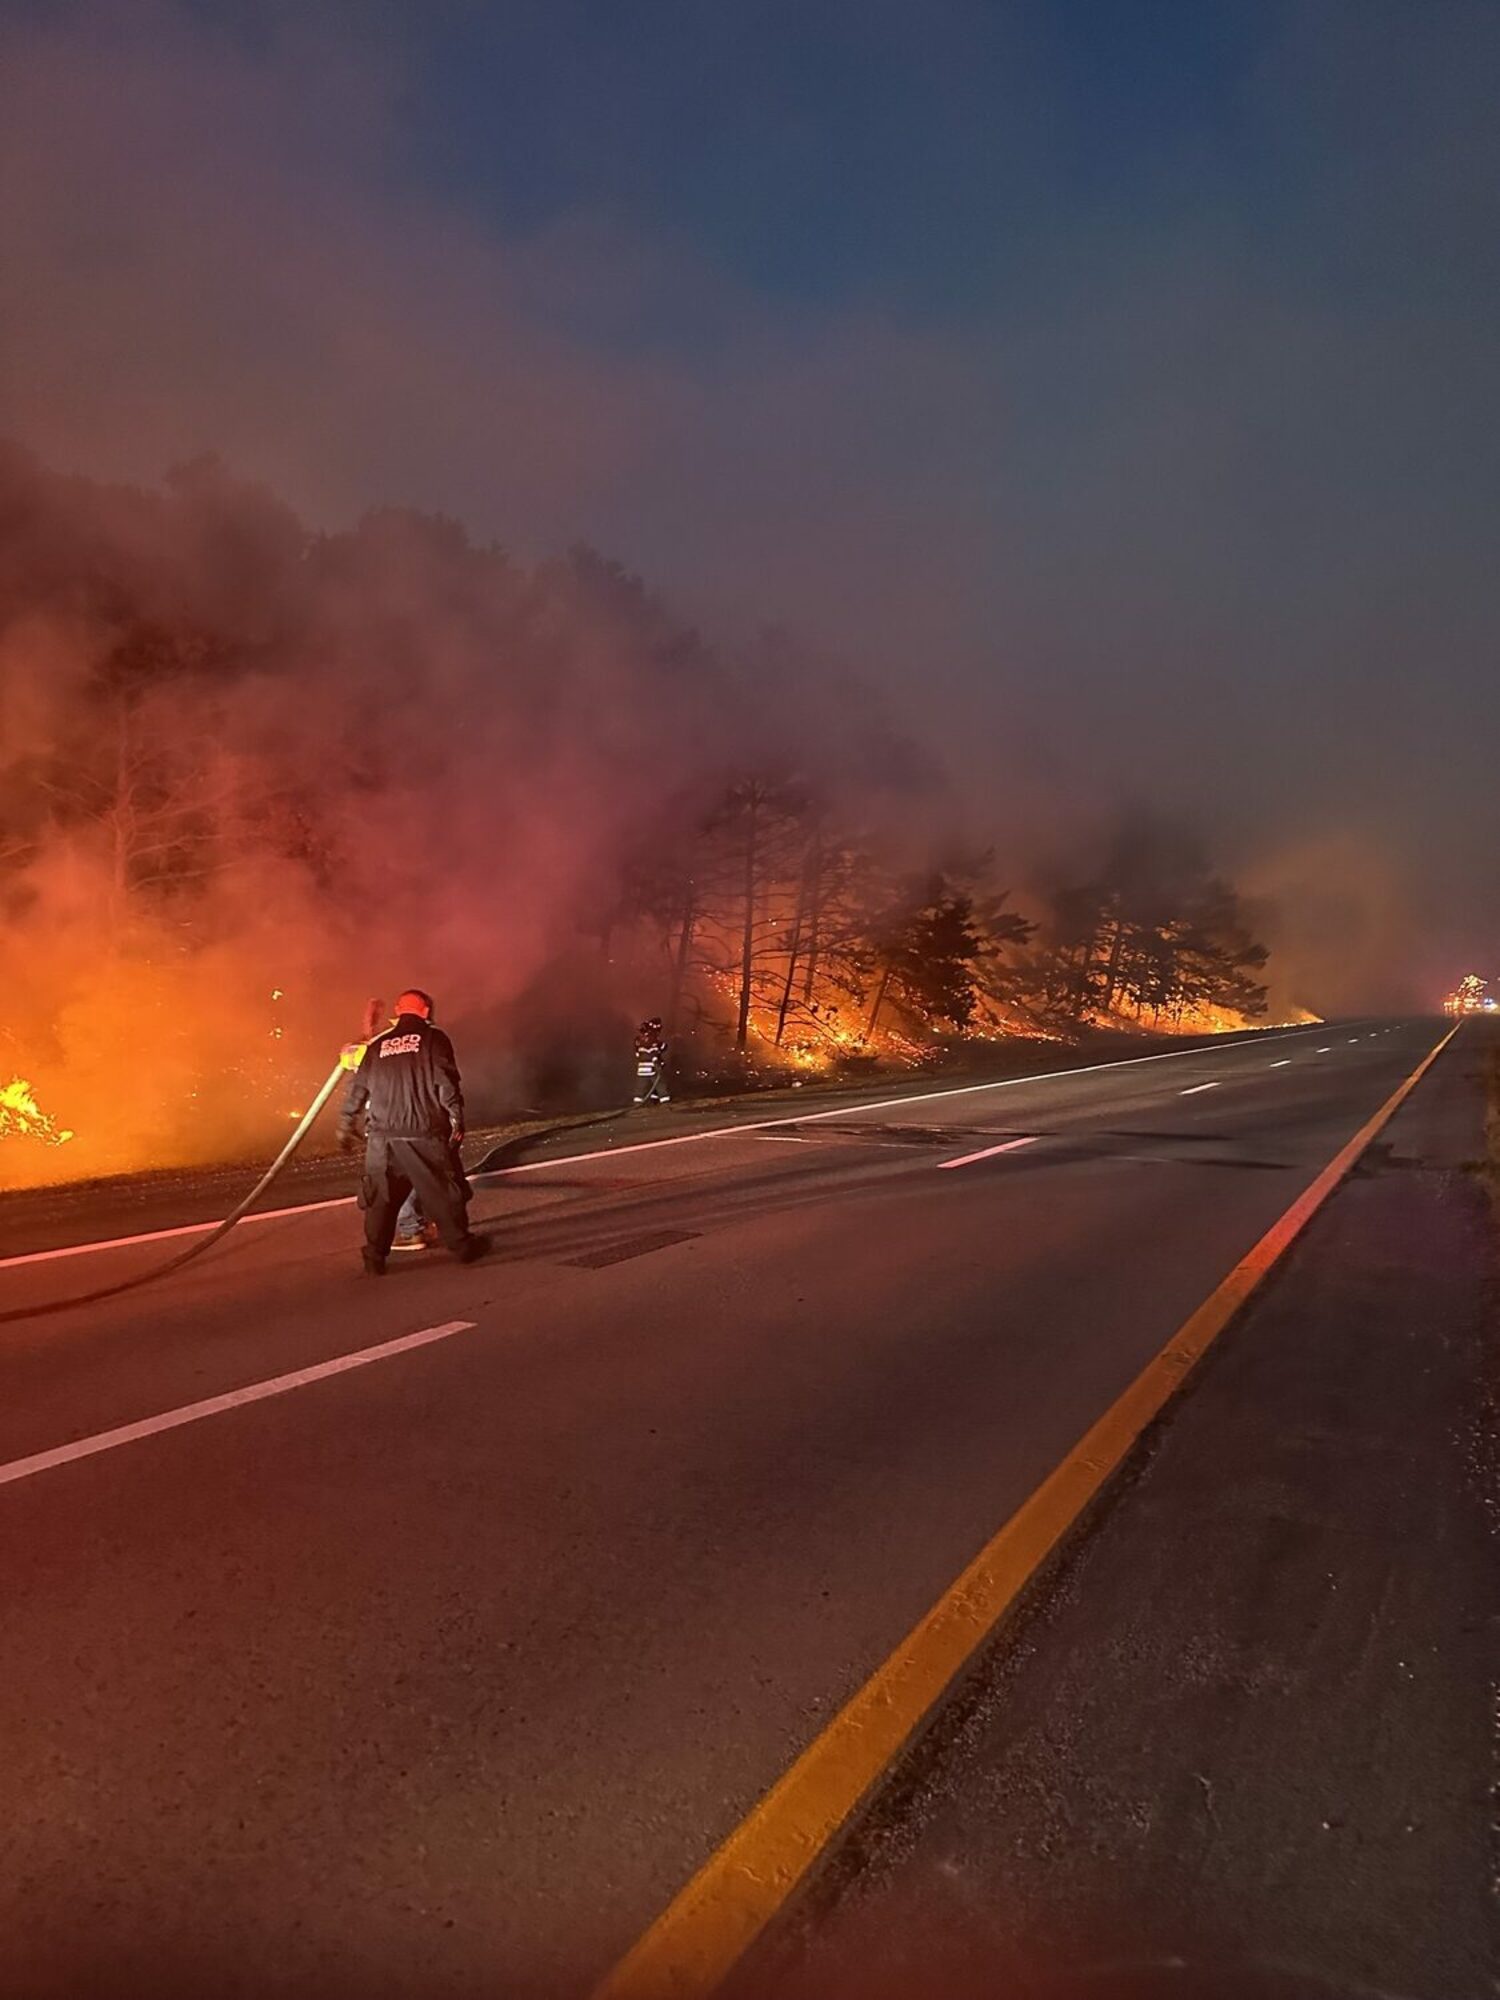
(439, 1675)
(1243, 1746)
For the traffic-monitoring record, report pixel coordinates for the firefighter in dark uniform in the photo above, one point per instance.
(407, 1085)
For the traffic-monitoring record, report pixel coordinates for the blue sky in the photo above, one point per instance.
(889, 152)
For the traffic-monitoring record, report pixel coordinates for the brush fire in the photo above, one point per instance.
(268, 769)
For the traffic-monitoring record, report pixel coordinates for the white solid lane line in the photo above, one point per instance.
(166, 1235)
(648, 1146)
(213, 1406)
(989, 1152)
(1195, 1088)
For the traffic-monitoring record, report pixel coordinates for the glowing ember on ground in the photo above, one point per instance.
(1199, 1019)
(21, 1117)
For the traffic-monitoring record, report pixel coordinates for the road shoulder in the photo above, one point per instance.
(1242, 1742)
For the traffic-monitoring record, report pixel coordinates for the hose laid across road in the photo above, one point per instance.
(216, 1235)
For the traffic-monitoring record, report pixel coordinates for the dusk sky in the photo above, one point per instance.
(1114, 386)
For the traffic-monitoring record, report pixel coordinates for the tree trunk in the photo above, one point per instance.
(793, 952)
(1083, 978)
(814, 916)
(680, 957)
(880, 991)
(747, 942)
(1078, 977)
(1112, 969)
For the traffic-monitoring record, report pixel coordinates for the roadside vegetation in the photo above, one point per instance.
(251, 770)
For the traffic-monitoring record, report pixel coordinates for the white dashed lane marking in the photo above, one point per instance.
(213, 1406)
(989, 1152)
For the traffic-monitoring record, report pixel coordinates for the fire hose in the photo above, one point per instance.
(348, 1059)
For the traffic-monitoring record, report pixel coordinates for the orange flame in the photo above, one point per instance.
(21, 1117)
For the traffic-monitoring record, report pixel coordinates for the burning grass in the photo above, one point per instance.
(23, 1120)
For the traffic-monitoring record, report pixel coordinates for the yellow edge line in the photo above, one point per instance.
(710, 1924)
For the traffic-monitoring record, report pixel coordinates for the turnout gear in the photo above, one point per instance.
(651, 1064)
(395, 1168)
(407, 1087)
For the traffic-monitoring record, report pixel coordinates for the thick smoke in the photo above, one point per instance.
(1161, 505)
(1127, 522)
(251, 774)
(1337, 909)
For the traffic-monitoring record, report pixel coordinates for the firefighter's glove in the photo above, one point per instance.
(348, 1140)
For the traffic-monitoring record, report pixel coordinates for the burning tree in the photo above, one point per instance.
(727, 884)
(934, 948)
(1154, 936)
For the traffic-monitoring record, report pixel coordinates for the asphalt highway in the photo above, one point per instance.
(438, 1672)
(1239, 1743)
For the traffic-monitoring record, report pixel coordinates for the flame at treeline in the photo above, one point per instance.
(250, 773)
